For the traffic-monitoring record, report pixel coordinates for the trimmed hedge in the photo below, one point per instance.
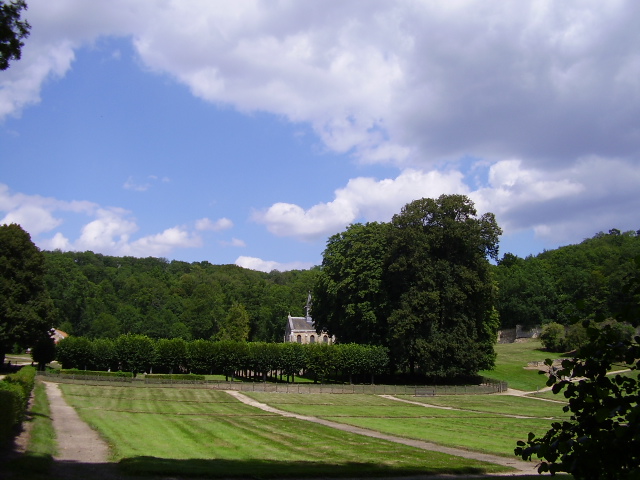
(15, 391)
(93, 373)
(176, 376)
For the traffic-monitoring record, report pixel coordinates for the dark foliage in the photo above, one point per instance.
(12, 31)
(601, 440)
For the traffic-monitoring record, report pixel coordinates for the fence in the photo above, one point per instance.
(487, 387)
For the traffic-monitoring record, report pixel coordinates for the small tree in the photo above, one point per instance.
(136, 353)
(553, 337)
(43, 351)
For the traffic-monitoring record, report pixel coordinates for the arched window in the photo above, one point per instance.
(312, 339)
(325, 339)
(299, 339)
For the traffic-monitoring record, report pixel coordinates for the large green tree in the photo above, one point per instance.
(349, 299)
(12, 31)
(440, 287)
(25, 306)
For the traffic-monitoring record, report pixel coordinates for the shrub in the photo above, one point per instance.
(553, 337)
(15, 391)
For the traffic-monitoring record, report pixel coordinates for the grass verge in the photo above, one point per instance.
(37, 460)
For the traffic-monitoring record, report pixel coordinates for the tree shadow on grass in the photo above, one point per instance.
(152, 466)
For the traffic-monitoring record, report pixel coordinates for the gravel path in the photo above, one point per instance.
(521, 466)
(82, 453)
(77, 442)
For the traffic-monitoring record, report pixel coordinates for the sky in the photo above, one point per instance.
(250, 132)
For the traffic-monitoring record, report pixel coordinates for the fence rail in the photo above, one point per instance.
(487, 387)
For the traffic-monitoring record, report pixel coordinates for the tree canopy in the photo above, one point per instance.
(420, 285)
(101, 296)
(547, 287)
(12, 31)
(25, 306)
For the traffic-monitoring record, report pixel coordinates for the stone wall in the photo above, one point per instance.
(512, 335)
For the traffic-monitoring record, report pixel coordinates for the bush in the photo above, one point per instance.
(553, 337)
(94, 373)
(176, 377)
(15, 391)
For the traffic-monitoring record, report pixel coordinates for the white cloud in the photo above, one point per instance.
(234, 242)
(32, 218)
(163, 243)
(593, 194)
(410, 82)
(254, 263)
(217, 226)
(109, 230)
(363, 198)
(136, 187)
(546, 93)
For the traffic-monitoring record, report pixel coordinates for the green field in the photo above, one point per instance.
(474, 422)
(207, 432)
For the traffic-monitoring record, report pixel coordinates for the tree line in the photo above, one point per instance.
(100, 296)
(257, 360)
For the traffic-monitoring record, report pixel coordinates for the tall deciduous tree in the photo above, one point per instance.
(12, 31)
(440, 286)
(349, 297)
(25, 306)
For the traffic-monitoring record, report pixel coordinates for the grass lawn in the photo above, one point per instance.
(479, 424)
(512, 360)
(206, 432)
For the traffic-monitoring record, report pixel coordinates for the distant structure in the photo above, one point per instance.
(58, 335)
(302, 330)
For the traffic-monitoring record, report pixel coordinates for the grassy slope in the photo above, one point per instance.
(512, 360)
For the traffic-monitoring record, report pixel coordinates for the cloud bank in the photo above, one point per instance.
(543, 97)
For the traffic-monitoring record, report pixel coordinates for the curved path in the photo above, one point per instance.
(521, 466)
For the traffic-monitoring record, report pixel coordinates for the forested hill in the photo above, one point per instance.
(102, 296)
(549, 286)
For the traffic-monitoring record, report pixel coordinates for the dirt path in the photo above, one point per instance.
(521, 466)
(77, 442)
(82, 453)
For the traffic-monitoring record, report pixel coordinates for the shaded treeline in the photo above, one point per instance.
(574, 281)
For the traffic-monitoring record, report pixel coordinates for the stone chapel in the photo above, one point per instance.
(302, 330)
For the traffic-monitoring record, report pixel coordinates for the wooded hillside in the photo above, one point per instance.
(550, 286)
(101, 296)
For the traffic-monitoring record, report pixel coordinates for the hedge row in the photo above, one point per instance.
(138, 353)
(93, 373)
(15, 390)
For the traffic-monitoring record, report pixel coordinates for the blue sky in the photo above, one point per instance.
(249, 132)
